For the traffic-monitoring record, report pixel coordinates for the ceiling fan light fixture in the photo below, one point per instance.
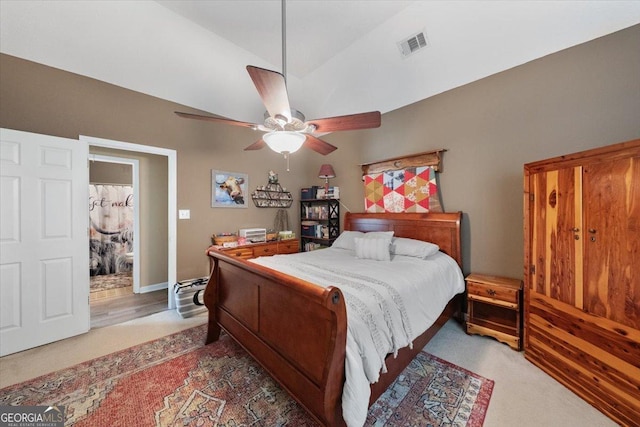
(287, 128)
(284, 141)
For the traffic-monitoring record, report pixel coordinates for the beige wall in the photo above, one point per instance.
(110, 173)
(583, 97)
(40, 99)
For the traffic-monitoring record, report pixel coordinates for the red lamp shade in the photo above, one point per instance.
(326, 172)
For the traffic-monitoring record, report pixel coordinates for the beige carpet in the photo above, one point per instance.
(523, 395)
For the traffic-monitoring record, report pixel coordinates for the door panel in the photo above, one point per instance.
(612, 257)
(557, 235)
(44, 245)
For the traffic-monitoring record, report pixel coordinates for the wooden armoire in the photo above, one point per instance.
(582, 274)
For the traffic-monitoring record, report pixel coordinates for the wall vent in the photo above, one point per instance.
(412, 44)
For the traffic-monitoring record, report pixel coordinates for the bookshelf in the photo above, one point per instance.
(319, 223)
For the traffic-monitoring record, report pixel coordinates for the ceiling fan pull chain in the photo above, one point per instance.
(286, 156)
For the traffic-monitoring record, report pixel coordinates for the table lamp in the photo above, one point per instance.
(326, 172)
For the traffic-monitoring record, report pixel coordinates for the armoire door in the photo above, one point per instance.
(556, 234)
(612, 240)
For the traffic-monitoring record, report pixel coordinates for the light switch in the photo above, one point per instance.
(184, 214)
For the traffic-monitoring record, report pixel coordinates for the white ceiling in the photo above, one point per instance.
(342, 56)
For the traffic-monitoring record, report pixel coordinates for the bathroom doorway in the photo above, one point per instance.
(155, 253)
(114, 227)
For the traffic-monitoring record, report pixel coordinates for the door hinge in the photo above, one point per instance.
(532, 269)
(531, 197)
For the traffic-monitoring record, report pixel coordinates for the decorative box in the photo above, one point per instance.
(307, 193)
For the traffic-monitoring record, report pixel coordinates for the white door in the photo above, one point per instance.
(44, 243)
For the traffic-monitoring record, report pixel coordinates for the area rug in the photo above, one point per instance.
(178, 381)
(110, 281)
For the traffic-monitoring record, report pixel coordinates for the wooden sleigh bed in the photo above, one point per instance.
(297, 330)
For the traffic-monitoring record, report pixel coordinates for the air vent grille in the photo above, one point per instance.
(412, 44)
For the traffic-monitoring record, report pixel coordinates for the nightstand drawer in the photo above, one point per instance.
(492, 292)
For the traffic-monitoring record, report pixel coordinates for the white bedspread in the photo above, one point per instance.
(389, 304)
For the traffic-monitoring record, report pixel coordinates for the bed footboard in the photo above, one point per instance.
(294, 329)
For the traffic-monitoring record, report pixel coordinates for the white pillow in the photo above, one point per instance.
(346, 240)
(377, 234)
(413, 247)
(375, 248)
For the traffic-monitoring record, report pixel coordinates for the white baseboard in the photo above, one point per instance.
(154, 287)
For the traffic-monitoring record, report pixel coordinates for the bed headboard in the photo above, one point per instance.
(443, 229)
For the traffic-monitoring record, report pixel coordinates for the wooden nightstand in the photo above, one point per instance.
(495, 308)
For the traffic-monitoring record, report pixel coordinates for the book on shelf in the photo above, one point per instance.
(313, 229)
(316, 212)
(332, 193)
(312, 246)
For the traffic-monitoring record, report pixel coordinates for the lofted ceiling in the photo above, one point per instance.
(342, 56)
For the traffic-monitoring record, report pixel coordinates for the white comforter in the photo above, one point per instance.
(389, 304)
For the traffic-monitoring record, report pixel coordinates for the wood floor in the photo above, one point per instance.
(120, 308)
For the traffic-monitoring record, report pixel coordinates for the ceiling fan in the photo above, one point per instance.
(287, 129)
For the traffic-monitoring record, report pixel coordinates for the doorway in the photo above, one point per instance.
(114, 243)
(114, 227)
(156, 254)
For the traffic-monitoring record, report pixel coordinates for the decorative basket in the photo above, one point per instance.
(271, 235)
(189, 296)
(221, 239)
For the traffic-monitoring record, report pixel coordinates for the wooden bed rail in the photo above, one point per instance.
(296, 330)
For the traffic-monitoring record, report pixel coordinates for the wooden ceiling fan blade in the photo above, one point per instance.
(348, 122)
(272, 89)
(256, 145)
(217, 120)
(318, 145)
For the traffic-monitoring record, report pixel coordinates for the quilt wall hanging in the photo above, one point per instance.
(404, 184)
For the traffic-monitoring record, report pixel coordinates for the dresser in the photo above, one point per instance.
(254, 250)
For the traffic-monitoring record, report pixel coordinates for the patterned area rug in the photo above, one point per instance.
(177, 381)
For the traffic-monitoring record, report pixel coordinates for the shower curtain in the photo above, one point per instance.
(111, 232)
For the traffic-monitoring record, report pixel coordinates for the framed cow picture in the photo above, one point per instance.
(229, 189)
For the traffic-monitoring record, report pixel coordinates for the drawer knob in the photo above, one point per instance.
(491, 292)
